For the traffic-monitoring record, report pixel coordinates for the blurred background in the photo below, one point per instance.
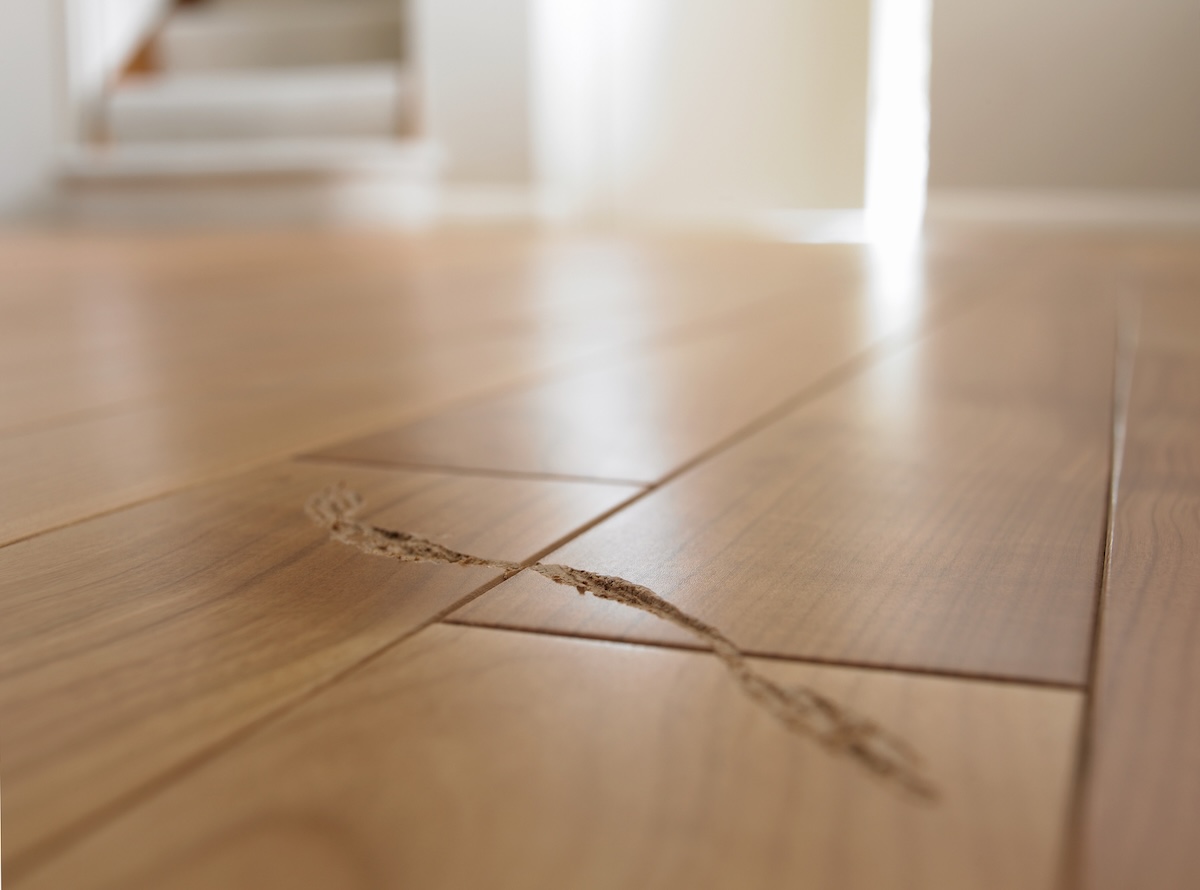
(800, 119)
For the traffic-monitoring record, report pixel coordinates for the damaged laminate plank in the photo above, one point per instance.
(469, 757)
(802, 710)
(135, 642)
(944, 510)
(1141, 815)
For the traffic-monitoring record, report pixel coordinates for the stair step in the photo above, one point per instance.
(258, 157)
(227, 35)
(344, 101)
(259, 182)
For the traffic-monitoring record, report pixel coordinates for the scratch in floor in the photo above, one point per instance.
(801, 710)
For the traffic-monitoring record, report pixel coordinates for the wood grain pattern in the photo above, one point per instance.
(1142, 813)
(132, 366)
(472, 757)
(136, 641)
(942, 511)
(197, 691)
(640, 416)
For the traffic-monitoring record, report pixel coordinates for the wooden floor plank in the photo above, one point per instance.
(641, 416)
(636, 418)
(1142, 813)
(57, 475)
(944, 511)
(135, 641)
(469, 757)
(132, 367)
(87, 325)
(183, 698)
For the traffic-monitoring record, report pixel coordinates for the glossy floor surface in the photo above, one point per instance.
(950, 500)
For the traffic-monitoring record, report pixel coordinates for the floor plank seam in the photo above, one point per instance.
(486, 472)
(52, 846)
(48, 848)
(802, 710)
(935, 673)
(1125, 349)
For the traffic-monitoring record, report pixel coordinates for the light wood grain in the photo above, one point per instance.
(92, 323)
(472, 758)
(1142, 815)
(132, 366)
(132, 643)
(192, 692)
(639, 416)
(943, 511)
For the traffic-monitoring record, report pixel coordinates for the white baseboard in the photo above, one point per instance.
(1076, 208)
(337, 182)
(408, 200)
(348, 200)
(247, 202)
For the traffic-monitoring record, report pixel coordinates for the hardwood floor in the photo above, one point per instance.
(892, 489)
(1143, 801)
(617, 766)
(135, 368)
(943, 510)
(642, 415)
(133, 642)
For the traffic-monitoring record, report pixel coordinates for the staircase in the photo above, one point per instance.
(310, 101)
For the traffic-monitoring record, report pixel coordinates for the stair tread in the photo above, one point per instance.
(257, 84)
(237, 156)
(366, 100)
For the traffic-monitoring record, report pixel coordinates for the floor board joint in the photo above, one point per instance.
(1125, 349)
(1030, 682)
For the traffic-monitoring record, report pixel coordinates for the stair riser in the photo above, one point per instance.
(358, 101)
(379, 121)
(279, 44)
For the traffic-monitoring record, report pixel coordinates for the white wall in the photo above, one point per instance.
(691, 107)
(30, 59)
(1065, 94)
(705, 107)
(475, 60)
(101, 36)
(751, 104)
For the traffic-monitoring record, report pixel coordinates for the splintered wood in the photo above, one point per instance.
(801, 710)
